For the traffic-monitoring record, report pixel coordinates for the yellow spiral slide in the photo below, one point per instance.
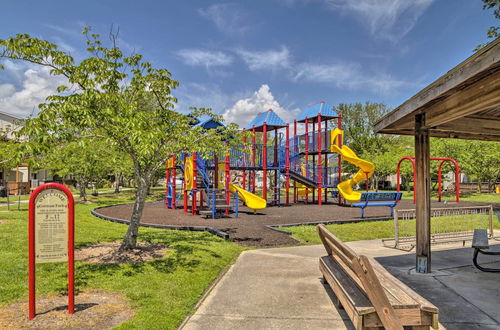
(366, 168)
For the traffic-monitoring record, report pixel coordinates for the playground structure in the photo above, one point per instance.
(442, 160)
(309, 165)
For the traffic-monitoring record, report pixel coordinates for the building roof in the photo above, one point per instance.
(13, 117)
(312, 113)
(272, 120)
(464, 103)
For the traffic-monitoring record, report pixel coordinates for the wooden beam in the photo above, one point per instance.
(471, 126)
(483, 94)
(423, 206)
(486, 59)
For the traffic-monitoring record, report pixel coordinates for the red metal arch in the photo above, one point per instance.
(440, 179)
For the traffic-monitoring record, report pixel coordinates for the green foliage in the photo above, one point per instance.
(122, 100)
(381, 149)
(175, 282)
(494, 31)
(477, 159)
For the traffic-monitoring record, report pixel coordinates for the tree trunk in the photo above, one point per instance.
(479, 185)
(117, 183)
(82, 188)
(130, 240)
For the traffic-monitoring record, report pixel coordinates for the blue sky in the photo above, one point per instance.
(243, 57)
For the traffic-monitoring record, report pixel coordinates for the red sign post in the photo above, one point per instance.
(51, 236)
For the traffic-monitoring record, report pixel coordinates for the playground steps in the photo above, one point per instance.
(220, 201)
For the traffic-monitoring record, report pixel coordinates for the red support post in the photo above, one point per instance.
(254, 151)
(228, 197)
(244, 179)
(440, 180)
(185, 201)
(320, 164)
(167, 182)
(398, 175)
(295, 151)
(264, 162)
(339, 157)
(174, 173)
(193, 199)
(307, 157)
(287, 164)
(327, 149)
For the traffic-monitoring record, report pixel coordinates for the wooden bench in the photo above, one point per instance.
(480, 243)
(369, 294)
(389, 199)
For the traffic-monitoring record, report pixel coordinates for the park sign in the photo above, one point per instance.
(51, 228)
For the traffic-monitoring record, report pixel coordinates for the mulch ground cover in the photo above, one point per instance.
(93, 310)
(250, 229)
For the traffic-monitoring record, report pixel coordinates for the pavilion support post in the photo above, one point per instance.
(423, 185)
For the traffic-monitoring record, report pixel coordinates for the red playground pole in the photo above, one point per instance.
(245, 164)
(253, 158)
(167, 181)
(295, 152)
(339, 143)
(174, 173)
(228, 197)
(307, 157)
(320, 164)
(264, 162)
(193, 200)
(287, 163)
(185, 189)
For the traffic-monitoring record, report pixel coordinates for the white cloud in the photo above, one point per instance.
(199, 57)
(266, 60)
(36, 84)
(244, 110)
(387, 19)
(229, 18)
(347, 76)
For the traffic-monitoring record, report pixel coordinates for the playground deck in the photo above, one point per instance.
(250, 230)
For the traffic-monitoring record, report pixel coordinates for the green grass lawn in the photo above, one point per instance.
(374, 229)
(162, 291)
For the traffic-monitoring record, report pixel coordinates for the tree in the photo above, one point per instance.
(121, 99)
(87, 160)
(381, 149)
(493, 31)
(478, 159)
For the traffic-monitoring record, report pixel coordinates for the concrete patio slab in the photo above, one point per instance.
(281, 288)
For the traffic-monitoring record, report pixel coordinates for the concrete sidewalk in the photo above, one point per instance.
(282, 289)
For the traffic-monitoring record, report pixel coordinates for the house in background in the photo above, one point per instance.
(17, 180)
(21, 179)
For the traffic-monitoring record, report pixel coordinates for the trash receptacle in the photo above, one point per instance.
(3, 191)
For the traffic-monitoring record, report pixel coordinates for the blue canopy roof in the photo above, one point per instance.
(272, 120)
(210, 123)
(312, 112)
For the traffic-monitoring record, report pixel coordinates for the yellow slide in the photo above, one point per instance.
(366, 168)
(252, 201)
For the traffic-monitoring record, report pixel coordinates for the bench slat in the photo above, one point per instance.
(424, 303)
(354, 295)
(376, 294)
(325, 233)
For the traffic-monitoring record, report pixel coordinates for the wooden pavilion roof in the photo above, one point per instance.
(464, 103)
